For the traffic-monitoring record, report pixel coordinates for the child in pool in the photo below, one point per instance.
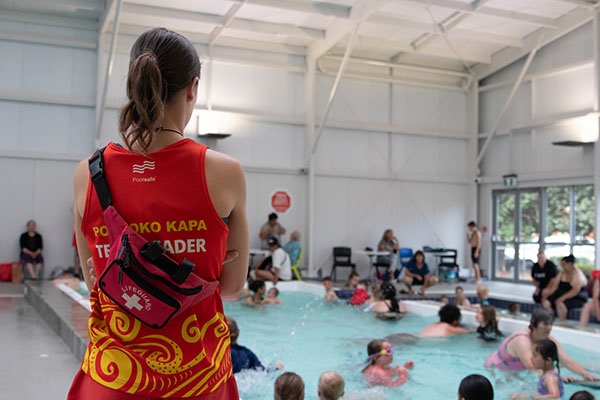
(461, 299)
(475, 387)
(582, 395)
(330, 295)
(242, 358)
(361, 294)
(483, 292)
(444, 299)
(545, 357)
(514, 308)
(272, 296)
(258, 289)
(379, 371)
(488, 324)
(288, 386)
(331, 386)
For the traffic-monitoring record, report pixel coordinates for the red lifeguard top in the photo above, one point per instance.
(164, 197)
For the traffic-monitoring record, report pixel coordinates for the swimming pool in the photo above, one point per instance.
(310, 337)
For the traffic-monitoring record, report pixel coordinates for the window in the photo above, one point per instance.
(564, 216)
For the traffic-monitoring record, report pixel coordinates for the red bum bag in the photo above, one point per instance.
(140, 276)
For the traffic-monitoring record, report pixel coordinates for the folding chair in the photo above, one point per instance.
(295, 267)
(342, 257)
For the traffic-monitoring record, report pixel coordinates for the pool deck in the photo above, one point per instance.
(53, 325)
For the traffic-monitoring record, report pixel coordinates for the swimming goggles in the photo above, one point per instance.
(388, 351)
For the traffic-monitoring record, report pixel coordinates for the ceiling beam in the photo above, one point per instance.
(229, 16)
(383, 45)
(582, 3)
(473, 8)
(219, 20)
(108, 16)
(276, 29)
(49, 20)
(361, 10)
(204, 39)
(45, 39)
(435, 29)
(61, 6)
(565, 24)
(405, 67)
(311, 7)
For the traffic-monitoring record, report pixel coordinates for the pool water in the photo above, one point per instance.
(309, 337)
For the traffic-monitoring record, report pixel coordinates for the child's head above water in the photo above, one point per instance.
(475, 387)
(545, 355)
(288, 386)
(331, 386)
(379, 352)
(273, 293)
(234, 331)
(444, 299)
(488, 315)
(450, 314)
(362, 284)
(483, 292)
(256, 286)
(514, 308)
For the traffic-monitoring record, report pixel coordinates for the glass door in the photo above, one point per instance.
(529, 227)
(504, 235)
(516, 234)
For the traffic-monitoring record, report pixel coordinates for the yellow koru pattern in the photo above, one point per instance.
(126, 355)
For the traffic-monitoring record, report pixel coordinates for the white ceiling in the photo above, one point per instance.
(437, 42)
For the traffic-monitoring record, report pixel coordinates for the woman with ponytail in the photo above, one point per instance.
(188, 198)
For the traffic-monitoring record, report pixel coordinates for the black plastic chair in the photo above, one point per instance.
(383, 262)
(342, 257)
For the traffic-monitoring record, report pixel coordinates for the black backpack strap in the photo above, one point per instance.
(96, 166)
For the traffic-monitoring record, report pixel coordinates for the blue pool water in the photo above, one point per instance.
(310, 337)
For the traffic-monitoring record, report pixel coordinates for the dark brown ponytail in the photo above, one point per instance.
(141, 116)
(161, 64)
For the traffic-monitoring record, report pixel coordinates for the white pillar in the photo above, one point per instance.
(596, 56)
(309, 108)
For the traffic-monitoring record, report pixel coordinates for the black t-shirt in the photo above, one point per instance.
(32, 243)
(544, 275)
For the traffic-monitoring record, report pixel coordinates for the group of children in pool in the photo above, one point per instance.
(379, 370)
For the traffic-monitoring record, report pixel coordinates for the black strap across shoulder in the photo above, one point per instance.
(152, 251)
(96, 166)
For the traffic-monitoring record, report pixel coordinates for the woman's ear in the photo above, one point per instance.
(192, 90)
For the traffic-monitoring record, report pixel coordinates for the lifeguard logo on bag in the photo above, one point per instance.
(136, 298)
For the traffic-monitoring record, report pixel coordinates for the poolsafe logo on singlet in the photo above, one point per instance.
(141, 169)
(135, 298)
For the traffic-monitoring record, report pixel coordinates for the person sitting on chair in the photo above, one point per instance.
(293, 247)
(276, 267)
(31, 251)
(389, 243)
(417, 273)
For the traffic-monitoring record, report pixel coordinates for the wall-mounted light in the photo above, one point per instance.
(586, 132)
(208, 122)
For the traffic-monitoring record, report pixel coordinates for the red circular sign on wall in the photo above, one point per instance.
(281, 201)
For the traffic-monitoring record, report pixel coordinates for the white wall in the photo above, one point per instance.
(46, 108)
(367, 180)
(558, 86)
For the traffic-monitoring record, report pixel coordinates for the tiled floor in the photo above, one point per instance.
(35, 362)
